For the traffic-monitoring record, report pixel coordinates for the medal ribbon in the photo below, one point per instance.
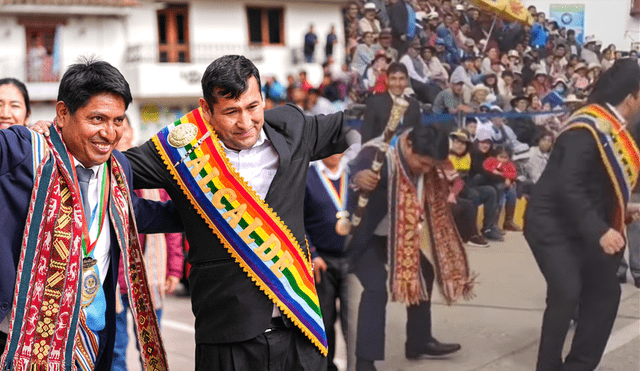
(101, 208)
(339, 199)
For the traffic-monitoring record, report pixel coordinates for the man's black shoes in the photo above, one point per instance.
(433, 348)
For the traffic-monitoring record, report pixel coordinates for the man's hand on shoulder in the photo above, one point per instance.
(41, 127)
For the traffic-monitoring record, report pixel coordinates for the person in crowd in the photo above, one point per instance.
(351, 19)
(265, 152)
(375, 76)
(539, 33)
(310, 41)
(574, 48)
(561, 87)
(326, 226)
(15, 107)
(439, 74)
(595, 69)
(274, 90)
(509, 35)
(448, 31)
(378, 106)
(332, 89)
(501, 134)
(163, 261)
(419, 74)
(402, 20)
(575, 221)
(471, 126)
(541, 83)
(316, 104)
(370, 23)
(539, 157)
(479, 186)
(384, 43)
(506, 87)
(521, 122)
(415, 156)
(490, 80)
(590, 50)
(50, 187)
(579, 82)
(451, 100)
(298, 97)
(493, 55)
(479, 95)
(468, 198)
(331, 41)
(608, 58)
(303, 81)
(364, 54)
(505, 175)
(464, 72)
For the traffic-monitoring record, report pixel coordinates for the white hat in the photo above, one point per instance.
(433, 15)
(483, 133)
(421, 15)
(459, 7)
(479, 87)
(513, 53)
(571, 98)
(470, 42)
(370, 6)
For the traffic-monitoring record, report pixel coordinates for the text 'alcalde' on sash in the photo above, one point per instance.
(252, 233)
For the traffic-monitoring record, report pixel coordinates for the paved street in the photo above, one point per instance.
(498, 330)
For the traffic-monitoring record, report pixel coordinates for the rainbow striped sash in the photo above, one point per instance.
(618, 151)
(252, 233)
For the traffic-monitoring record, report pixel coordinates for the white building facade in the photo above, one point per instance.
(162, 48)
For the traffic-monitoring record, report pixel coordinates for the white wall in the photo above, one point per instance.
(609, 20)
(13, 48)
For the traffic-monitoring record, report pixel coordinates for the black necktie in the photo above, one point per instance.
(84, 175)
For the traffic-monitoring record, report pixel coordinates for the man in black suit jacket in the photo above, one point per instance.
(93, 97)
(235, 321)
(378, 110)
(574, 228)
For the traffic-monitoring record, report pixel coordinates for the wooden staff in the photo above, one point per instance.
(400, 105)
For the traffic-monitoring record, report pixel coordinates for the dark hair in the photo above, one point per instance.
(500, 149)
(228, 77)
(571, 32)
(428, 140)
(23, 90)
(616, 83)
(89, 78)
(544, 133)
(397, 67)
(506, 73)
(314, 91)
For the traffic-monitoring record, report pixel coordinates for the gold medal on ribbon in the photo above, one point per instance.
(182, 135)
(90, 281)
(343, 225)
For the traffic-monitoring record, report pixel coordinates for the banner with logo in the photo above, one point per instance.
(569, 16)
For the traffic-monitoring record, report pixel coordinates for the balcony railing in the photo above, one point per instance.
(199, 53)
(42, 70)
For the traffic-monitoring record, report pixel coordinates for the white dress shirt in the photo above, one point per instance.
(257, 165)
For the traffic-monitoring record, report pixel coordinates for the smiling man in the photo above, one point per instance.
(237, 174)
(379, 105)
(68, 213)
